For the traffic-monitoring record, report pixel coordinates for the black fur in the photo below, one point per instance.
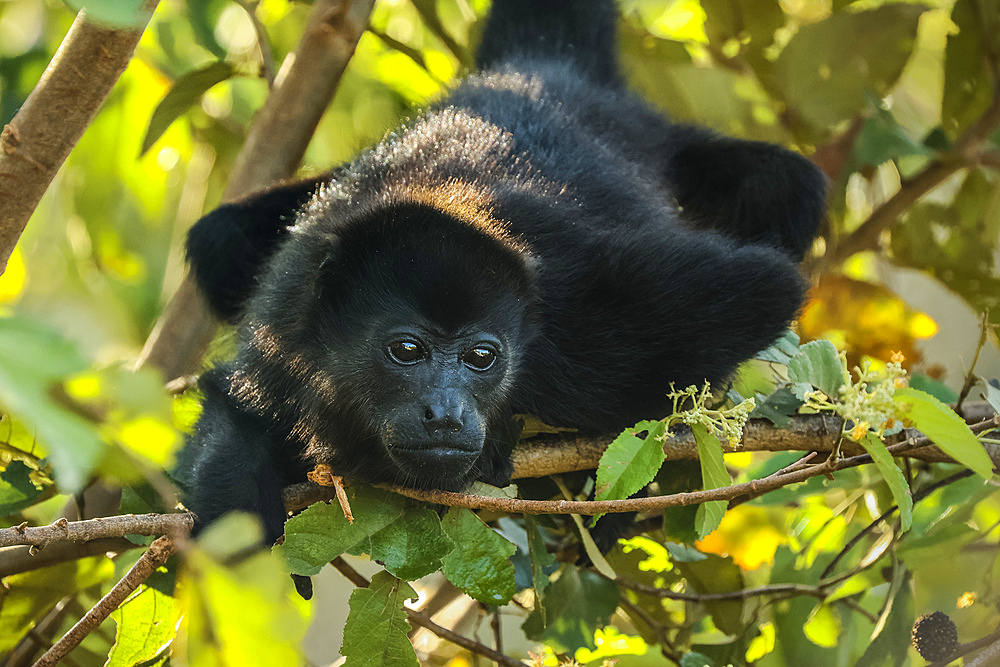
(540, 208)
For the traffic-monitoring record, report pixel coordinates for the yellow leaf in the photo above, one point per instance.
(13, 278)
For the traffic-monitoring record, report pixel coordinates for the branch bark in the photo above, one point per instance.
(157, 554)
(41, 135)
(93, 529)
(273, 150)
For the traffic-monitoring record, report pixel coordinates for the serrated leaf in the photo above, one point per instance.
(376, 631)
(146, 623)
(630, 462)
(184, 94)
(479, 564)
(828, 67)
(945, 428)
(713, 476)
(818, 363)
(406, 537)
(16, 489)
(892, 476)
(577, 603)
(781, 350)
(33, 362)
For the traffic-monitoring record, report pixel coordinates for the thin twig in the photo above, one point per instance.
(965, 649)
(263, 43)
(416, 618)
(917, 497)
(153, 558)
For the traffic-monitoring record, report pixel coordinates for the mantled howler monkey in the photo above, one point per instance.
(539, 241)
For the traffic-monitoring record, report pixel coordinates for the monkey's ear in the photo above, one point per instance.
(754, 191)
(228, 248)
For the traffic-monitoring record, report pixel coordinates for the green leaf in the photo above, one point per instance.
(26, 597)
(826, 70)
(713, 475)
(935, 388)
(541, 560)
(576, 603)
(892, 645)
(715, 574)
(16, 489)
(376, 629)
(945, 428)
(968, 82)
(818, 364)
(116, 13)
(146, 622)
(405, 536)
(479, 564)
(782, 350)
(778, 407)
(630, 463)
(892, 476)
(184, 94)
(33, 362)
(695, 659)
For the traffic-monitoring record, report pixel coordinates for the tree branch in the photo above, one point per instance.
(416, 618)
(532, 459)
(966, 152)
(276, 142)
(48, 125)
(21, 558)
(154, 557)
(92, 529)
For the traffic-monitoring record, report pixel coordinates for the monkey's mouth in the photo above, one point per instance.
(433, 461)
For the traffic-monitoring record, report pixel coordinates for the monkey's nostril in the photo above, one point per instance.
(428, 415)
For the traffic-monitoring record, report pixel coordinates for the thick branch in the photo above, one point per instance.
(274, 147)
(50, 122)
(93, 529)
(155, 556)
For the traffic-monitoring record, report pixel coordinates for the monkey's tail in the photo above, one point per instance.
(580, 30)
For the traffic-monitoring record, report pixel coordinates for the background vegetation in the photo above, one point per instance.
(898, 102)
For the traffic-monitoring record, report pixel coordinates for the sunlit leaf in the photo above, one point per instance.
(748, 534)
(33, 360)
(823, 626)
(946, 429)
(28, 596)
(376, 630)
(146, 623)
(714, 475)
(13, 278)
(185, 92)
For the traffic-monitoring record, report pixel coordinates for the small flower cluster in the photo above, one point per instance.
(690, 408)
(866, 402)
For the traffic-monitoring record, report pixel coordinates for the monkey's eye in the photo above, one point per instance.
(405, 352)
(480, 358)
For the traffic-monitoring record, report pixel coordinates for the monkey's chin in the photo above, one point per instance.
(444, 466)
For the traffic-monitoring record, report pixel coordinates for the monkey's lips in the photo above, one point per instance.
(434, 461)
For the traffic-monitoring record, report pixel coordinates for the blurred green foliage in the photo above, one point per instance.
(877, 93)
